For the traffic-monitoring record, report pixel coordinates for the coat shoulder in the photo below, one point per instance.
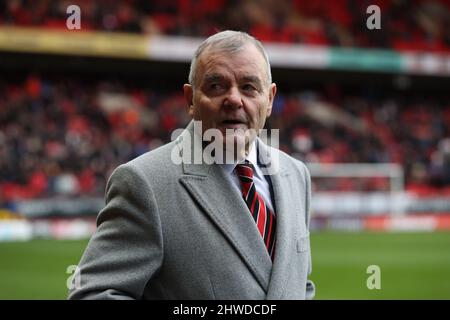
(154, 165)
(289, 163)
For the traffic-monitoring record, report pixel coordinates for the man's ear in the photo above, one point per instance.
(272, 93)
(188, 96)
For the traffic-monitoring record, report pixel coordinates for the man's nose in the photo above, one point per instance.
(233, 98)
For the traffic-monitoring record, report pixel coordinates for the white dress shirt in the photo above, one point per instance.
(261, 184)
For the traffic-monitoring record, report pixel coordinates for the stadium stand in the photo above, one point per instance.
(407, 25)
(64, 136)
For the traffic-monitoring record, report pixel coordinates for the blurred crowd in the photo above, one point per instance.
(405, 24)
(64, 136)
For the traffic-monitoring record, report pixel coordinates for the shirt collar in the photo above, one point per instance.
(251, 157)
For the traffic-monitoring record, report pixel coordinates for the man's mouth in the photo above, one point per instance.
(233, 122)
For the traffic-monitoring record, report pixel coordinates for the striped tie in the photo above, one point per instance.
(264, 218)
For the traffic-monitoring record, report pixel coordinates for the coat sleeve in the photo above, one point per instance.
(310, 287)
(126, 249)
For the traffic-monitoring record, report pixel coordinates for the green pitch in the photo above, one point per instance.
(412, 266)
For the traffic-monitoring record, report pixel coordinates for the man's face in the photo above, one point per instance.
(231, 91)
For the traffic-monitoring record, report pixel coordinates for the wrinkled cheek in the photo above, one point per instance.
(261, 119)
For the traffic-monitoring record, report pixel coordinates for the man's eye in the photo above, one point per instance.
(215, 86)
(248, 87)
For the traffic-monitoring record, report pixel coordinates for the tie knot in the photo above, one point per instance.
(245, 171)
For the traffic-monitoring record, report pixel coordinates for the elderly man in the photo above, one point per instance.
(174, 228)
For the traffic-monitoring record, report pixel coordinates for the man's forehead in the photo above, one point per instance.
(217, 63)
(217, 75)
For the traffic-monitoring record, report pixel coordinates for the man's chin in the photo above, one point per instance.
(235, 140)
(237, 144)
(224, 127)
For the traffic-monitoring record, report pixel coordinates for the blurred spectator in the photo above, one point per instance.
(405, 25)
(64, 136)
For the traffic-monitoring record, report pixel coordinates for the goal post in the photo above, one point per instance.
(394, 172)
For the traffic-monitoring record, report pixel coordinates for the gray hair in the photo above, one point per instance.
(231, 42)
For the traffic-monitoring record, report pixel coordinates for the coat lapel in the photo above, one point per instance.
(223, 204)
(285, 233)
(285, 236)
